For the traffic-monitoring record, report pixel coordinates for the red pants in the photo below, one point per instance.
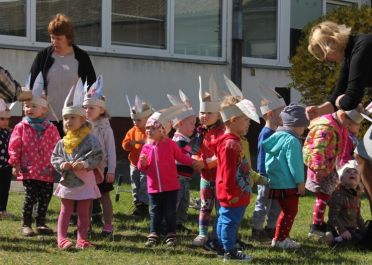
(320, 207)
(289, 205)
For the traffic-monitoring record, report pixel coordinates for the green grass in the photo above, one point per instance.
(127, 246)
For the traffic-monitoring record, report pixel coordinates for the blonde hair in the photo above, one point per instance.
(230, 101)
(327, 37)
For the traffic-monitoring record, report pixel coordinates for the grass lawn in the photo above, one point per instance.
(127, 245)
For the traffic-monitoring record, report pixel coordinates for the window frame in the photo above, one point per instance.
(117, 50)
(283, 40)
(339, 2)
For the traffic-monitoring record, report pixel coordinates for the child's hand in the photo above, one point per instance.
(144, 162)
(234, 200)
(15, 170)
(198, 165)
(110, 178)
(78, 165)
(301, 189)
(66, 166)
(346, 235)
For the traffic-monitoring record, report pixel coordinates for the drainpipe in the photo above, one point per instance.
(237, 42)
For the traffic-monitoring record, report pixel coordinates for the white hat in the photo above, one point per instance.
(95, 96)
(165, 117)
(354, 115)
(184, 101)
(212, 105)
(270, 100)
(364, 147)
(74, 100)
(349, 164)
(4, 110)
(136, 112)
(243, 107)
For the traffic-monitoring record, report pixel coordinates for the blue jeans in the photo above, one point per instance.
(138, 181)
(265, 207)
(163, 206)
(183, 200)
(227, 226)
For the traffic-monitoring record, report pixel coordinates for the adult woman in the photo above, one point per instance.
(331, 42)
(62, 63)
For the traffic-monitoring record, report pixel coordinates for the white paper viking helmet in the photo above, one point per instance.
(38, 92)
(4, 109)
(184, 101)
(166, 116)
(243, 107)
(213, 104)
(270, 100)
(95, 96)
(74, 100)
(136, 111)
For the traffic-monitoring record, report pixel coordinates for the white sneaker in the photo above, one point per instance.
(285, 244)
(199, 241)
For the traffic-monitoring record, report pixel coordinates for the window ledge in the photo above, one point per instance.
(261, 66)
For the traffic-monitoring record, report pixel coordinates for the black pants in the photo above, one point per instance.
(39, 192)
(163, 206)
(5, 180)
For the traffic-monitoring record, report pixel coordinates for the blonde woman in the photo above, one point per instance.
(332, 42)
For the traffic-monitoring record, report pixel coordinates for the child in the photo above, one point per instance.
(271, 106)
(5, 168)
(344, 218)
(94, 104)
(352, 140)
(75, 157)
(30, 148)
(211, 127)
(324, 147)
(133, 142)
(233, 180)
(285, 170)
(184, 124)
(157, 159)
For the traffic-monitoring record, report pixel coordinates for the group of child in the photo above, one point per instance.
(161, 168)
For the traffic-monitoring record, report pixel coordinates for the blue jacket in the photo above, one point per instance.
(283, 161)
(264, 134)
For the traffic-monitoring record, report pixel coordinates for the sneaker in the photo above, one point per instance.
(152, 240)
(328, 238)
(285, 244)
(236, 255)
(212, 245)
(171, 241)
(27, 231)
(199, 241)
(83, 244)
(183, 229)
(44, 230)
(317, 230)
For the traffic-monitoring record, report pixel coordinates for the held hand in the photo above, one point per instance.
(337, 103)
(15, 170)
(143, 159)
(66, 166)
(234, 200)
(198, 165)
(79, 165)
(312, 112)
(346, 235)
(110, 177)
(301, 189)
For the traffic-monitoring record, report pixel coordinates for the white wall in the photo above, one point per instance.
(151, 79)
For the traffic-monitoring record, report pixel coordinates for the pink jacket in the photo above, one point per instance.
(33, 154)
(161, 170)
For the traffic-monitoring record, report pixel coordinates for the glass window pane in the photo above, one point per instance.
(334, 5)
(13, 18)
(84, 14)
(141, 23)
(197, 29)
(260, 28)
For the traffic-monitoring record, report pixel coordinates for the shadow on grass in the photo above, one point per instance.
(28, 244)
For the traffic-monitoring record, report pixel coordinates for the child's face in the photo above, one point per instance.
(350, 177)
(140, 123)
(72, 122)
(242, 125)
(93, 112)
(208, 118)
(354, 128)
(34, 111)
(4, 123)
(277, 120)
(154, 133)
(299, 130)
(345, 121)
(187, 126)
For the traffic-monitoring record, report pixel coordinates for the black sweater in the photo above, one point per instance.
(355, 72)
(44, 61)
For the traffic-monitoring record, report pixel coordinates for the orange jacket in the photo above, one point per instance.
(137, 135)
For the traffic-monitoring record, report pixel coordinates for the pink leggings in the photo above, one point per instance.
(320, 207)
(82, 210)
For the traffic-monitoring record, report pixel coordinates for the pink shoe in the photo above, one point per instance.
(64, 244)
(83, 244)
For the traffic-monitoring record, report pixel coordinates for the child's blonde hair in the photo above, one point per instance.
(327, 37)
(230, 101)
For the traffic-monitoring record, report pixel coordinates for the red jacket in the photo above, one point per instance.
(233, 178)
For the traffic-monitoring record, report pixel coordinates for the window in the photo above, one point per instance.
(141, 23)
(84, 14)
(197, 27)
(13, 18)
(333, 5)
